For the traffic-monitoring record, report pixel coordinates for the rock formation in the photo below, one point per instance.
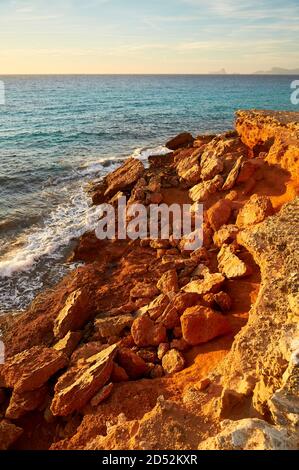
(149, 345)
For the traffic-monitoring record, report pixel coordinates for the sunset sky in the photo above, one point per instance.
(147, 36)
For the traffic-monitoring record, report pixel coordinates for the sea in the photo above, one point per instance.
(57, 133)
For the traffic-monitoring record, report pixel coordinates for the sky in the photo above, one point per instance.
(147, 36)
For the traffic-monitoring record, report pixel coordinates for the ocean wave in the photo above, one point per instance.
(64, 224)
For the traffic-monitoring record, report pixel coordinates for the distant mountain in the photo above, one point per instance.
(219, 72)
(278, 71)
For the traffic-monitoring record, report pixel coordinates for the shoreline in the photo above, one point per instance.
(129, 298)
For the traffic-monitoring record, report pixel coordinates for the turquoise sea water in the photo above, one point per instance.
(57, 132)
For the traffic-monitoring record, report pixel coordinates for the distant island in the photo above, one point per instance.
(278, 71)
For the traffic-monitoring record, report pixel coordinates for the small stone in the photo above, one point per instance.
(181, 140)
(69, 342)
(177, 331)
(173, 361)
(179, 344)
(157, 372)
(22, 403)
(162, 350)
(144, 290)
(233, 174)
(148, 355)
(102, 395)
(210, 283)
(112, 326)
(226, 235)
(9, 434)
(223, 300)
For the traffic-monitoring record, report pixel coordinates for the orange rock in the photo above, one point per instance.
(210, 283)
(74, 314)
(147, 333)
(112, 326)
(254, 211)
(223, 300)
(169, 318)
(77, 386)
(233, 174)
(104, 393)
(134, 365)
(230, 264)
(173, 361)
(219, 213)
(179, 344)
(181, 140)
(202, 324)
(124, 177)
(227, 234)
(32, 368)
(87, 350)
(168, 282)
(22, 403)
(156, 372)
(69, 342)
(9, 433)
(162, 349)
(119, 374)
(144, 290)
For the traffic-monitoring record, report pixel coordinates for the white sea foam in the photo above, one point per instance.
(65, 223)
(145, 152)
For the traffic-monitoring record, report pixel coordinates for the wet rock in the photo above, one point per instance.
(162, 350)
(147, 333)
(181, 140)
(22, 403)
(230, 264)
(9, 434)
(254, 211)
(134, 365)
(168, 282)
(219, 213)
(201, 191)
(77, 386)
(74, 314)
(173, 361)
(233, 174)
(124, 178)
(119, 374)
(202, 324)
(102, 395)
(69, 343)
(112, 326)
(32, 368)
(226, 235)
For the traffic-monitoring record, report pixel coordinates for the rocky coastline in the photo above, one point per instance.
(148, 345)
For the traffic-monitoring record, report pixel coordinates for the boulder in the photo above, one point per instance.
(181, 140)
(254, 211)
(134, 365)
(9, 434)
(78, 385)
(201, 324)
(219, 213)
(168, 282)
(22, 403)
(74, 315)
(211, 167)
(155, 308)
(32, 368)
(69, 343)
(124, 177)
(147, 333)
(230, 264)
(169, 318)
(112, 326)
(173, 361)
